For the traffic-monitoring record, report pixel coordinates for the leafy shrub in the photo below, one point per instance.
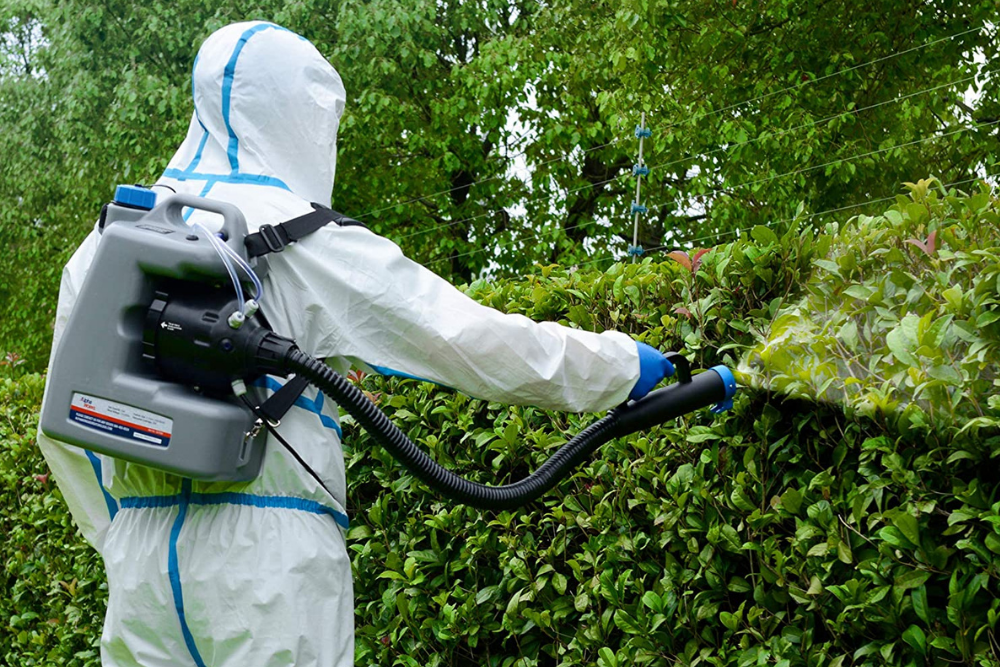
(53, 586)
(789, 531)
(900, 320)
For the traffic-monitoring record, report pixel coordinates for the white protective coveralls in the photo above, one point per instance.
(254, 574)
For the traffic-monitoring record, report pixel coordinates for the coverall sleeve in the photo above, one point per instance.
(373, 305)
(77, 472)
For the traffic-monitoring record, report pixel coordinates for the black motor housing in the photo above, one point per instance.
(187, 335)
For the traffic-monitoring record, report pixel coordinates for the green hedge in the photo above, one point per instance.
(52, 582)
(790, 531)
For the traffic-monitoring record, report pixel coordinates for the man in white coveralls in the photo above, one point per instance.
(257, 573)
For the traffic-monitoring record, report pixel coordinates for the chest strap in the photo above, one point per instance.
(274, 238)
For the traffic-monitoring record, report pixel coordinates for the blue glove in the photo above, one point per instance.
(653, 367)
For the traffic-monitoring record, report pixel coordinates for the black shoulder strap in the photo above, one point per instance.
(281, 401)
(275, 238)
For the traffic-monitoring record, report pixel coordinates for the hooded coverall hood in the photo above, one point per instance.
(267, 109)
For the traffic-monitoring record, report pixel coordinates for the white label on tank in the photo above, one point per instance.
(120, 419)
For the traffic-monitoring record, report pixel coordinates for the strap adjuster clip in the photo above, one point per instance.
(271, 238)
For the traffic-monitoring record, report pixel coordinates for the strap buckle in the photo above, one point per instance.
(271, 238)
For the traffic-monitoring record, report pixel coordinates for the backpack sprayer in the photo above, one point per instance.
(154, 362)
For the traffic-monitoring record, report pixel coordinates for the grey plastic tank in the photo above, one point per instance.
(104, 396)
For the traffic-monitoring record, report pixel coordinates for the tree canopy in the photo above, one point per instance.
(493, 135)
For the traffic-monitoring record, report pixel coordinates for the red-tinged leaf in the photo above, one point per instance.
(932, 243)
(12, 359)
(696, 263)
(918, 244)
(681, 258)
(681, 310)
(42, 478)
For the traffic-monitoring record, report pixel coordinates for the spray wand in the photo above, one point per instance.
(253, 350)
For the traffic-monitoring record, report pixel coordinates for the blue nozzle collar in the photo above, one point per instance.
(135, 196)
(729, 380)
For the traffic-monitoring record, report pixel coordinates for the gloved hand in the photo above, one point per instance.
(653, 367)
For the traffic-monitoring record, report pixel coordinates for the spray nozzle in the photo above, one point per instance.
(715, 386)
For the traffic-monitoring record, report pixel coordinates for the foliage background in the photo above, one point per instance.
(795, 530)
(845, 512)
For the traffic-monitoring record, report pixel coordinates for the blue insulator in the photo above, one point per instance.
(639, 208)
(635, 250)
(640, 170)
(641, 132)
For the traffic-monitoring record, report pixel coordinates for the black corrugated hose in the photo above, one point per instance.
(481, 496)
(252, 350)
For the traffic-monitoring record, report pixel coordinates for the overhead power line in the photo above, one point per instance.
(485, 180)
(686, 121)
(809, 82)
(796, 172)
(721, 149)
(729, 189)
(804, 126)
(635, 249)
(830, 211)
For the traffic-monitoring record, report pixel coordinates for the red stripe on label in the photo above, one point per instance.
(138, 427)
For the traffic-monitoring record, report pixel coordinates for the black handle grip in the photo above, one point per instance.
(670, 402)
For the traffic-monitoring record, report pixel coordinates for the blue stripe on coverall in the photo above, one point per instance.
(174, 573)
(232, 151)
(240, 499)
(186, 498)
(95, 463)
(204, 137)
(240, 179)
(227, 91)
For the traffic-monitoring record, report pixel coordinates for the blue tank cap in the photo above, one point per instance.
(135, 196)
(729, 380)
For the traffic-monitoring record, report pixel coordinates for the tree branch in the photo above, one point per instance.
(972, 112)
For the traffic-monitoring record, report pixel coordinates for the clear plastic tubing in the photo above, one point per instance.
(257, 285)
(220, 248)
